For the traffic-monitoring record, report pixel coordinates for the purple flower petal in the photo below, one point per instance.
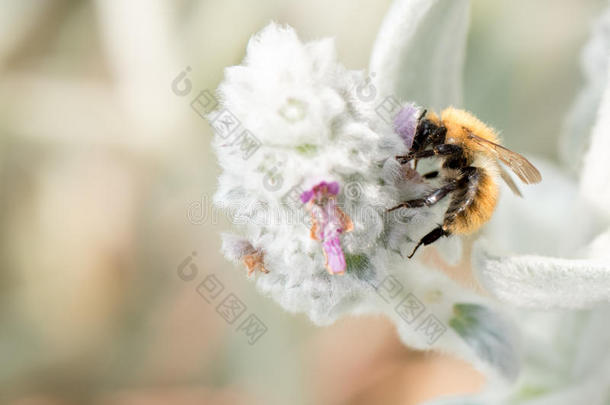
(328, 222)
(319, 190)
(405, 123)
(306, 196)
(335, 259)
(333, 188)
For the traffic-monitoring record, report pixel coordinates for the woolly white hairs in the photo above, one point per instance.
(299, 102)
(323, 140)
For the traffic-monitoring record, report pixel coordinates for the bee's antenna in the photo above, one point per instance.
(422, 115)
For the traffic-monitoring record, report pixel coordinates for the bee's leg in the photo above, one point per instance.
(431, 175)
(430, 199)
(465, 188)
(415, 155)
(429, 238)
(444, 150)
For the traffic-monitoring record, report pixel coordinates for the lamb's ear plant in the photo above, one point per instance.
(311, 202)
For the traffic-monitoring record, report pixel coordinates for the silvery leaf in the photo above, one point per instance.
(490, 335)
(419, 52)
(544, 282)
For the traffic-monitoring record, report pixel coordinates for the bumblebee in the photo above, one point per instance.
(470, 153)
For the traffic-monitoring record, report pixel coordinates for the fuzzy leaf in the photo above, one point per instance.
(544, 282)
(489, 335)
(359, 265)
(419, 51)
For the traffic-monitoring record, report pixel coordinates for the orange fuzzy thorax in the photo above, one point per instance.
(460, 123)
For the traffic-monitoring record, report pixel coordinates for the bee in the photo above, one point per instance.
(470, 153)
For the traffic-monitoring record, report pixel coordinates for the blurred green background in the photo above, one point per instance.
(107, 176)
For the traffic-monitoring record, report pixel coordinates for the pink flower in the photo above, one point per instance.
(328, 222)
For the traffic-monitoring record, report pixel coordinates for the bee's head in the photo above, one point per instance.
(428, 133)
(438, 136)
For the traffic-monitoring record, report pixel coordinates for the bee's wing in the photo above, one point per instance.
(509, 181)
(517, 163)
